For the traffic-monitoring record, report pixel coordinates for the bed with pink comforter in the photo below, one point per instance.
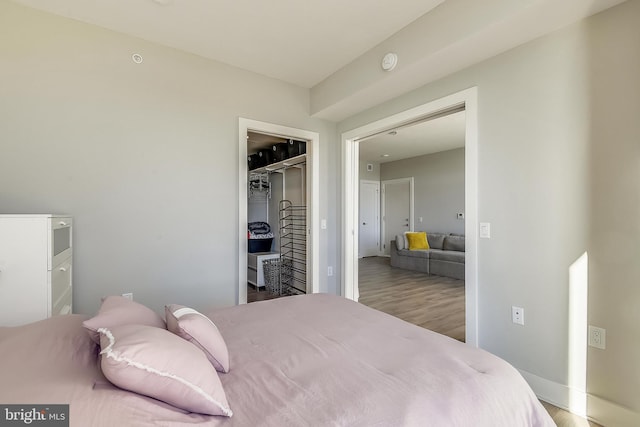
(311, 360)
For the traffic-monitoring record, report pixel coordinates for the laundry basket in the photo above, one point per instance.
(271, 271)
(277, 273)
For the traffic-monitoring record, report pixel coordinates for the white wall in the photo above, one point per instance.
(143, 156)
(438, 188)
(559, 175)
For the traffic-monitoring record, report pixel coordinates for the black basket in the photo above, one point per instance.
(254, 161)
(296, 148)
(266, 156)
(260, 245)
(280, 152)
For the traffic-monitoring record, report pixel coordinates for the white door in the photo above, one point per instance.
(369, 214)
(398, 209)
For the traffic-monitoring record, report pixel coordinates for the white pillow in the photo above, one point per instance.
(199, 330)
(159, 364)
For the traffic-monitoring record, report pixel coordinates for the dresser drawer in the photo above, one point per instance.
(252, 261)
(252, 276)
(61, 240)
(64, 305)
(61, 293)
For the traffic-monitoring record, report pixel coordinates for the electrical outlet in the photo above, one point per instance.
(597, 337)
(517, 315)
(128, 296)
(329, 271)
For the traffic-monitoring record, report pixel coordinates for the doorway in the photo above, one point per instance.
(397, 205)
(310, 189)
(466, 99)
(369, 224)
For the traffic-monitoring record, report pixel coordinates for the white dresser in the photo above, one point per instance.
(255, 272)
(35, 267)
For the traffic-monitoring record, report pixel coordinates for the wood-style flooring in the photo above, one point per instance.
(254, 294)
(564, 418)
(433, 302)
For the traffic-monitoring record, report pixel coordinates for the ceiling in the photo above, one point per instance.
(432, 136)
(300, 42)
(333, 47)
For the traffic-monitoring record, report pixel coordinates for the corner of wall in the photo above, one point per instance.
(598, 409)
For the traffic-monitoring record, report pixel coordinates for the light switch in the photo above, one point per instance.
(323, 224)
(485, 230)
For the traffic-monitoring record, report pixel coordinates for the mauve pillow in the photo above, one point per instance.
(157, 363)
(198, 329)
(116, 310)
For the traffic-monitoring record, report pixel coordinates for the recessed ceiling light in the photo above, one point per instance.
(384, 155)
(162, 2)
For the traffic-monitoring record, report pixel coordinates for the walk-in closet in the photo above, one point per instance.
(277, 216)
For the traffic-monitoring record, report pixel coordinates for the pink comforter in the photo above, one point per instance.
(315, 360)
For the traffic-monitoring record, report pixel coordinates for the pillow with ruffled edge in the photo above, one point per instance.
(198, 329)
(156, 363)
(117, 310)
(417, 240)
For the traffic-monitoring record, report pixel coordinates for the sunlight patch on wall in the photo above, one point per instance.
(578, 298)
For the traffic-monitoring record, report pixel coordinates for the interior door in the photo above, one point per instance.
(369, 214)
(397, 209)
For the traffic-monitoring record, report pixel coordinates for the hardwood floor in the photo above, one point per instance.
(564, 418)
(433, 302)
(254, 295)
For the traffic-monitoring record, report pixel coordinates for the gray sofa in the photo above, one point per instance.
(445, 256)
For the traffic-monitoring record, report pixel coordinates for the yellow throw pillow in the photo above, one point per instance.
(417, 241)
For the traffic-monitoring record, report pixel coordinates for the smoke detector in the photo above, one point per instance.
(389, 61)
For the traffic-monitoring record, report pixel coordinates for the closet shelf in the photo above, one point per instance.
(284, 164)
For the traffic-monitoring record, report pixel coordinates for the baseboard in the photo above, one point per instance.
(598, 410)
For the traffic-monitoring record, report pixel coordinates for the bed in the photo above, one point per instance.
(309, 360)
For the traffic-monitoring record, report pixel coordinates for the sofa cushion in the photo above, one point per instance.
(417, 253)
(451, 256)
(417, 240)
(454, 243)
(436, 240)
(400, 242)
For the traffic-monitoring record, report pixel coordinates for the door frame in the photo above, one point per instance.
(313, 199)
(377, 209)
(383, 204)
(350, 150)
